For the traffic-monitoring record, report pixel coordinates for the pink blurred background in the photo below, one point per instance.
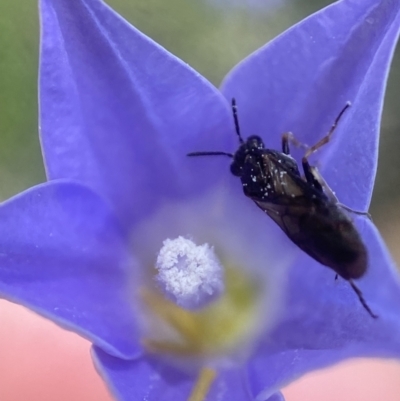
(42, 362)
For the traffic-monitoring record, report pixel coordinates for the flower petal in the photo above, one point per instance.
(152, 379)
(113, 101)
(63, 255)
(275, 397)
(301, 80)
(325, 322)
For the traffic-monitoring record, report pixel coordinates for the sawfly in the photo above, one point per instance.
(304, 207)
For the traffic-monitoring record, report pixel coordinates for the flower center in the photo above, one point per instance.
(223, 323)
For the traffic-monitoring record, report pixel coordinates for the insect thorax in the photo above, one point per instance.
(267, 174)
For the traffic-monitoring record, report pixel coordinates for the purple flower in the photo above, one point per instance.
(118, 115)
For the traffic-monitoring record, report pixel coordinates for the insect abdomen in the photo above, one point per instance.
(330, 237)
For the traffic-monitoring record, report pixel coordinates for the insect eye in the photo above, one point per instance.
(236, 169)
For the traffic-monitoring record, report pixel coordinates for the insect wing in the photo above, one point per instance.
(288, 215)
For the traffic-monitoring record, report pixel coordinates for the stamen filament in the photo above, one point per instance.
(214, 330)
(203, 384)
(179, 318)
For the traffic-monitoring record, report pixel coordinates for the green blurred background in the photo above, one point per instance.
(211, 39)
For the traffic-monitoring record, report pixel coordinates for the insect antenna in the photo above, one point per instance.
(362, 300)
(210, 154)
(236, 119)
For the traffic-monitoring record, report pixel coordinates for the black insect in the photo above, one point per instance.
(305, 208)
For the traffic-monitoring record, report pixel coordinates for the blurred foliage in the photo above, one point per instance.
(211, 39)
(20, 158)
(387, 184)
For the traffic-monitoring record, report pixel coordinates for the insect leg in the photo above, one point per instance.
(362, 300)
(313, 175)
(327, 137)
(366, 214)
(314, 178)
(285, 143)
(317, 178)
(289, 137)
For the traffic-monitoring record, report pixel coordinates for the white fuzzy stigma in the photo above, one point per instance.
(190, 274)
